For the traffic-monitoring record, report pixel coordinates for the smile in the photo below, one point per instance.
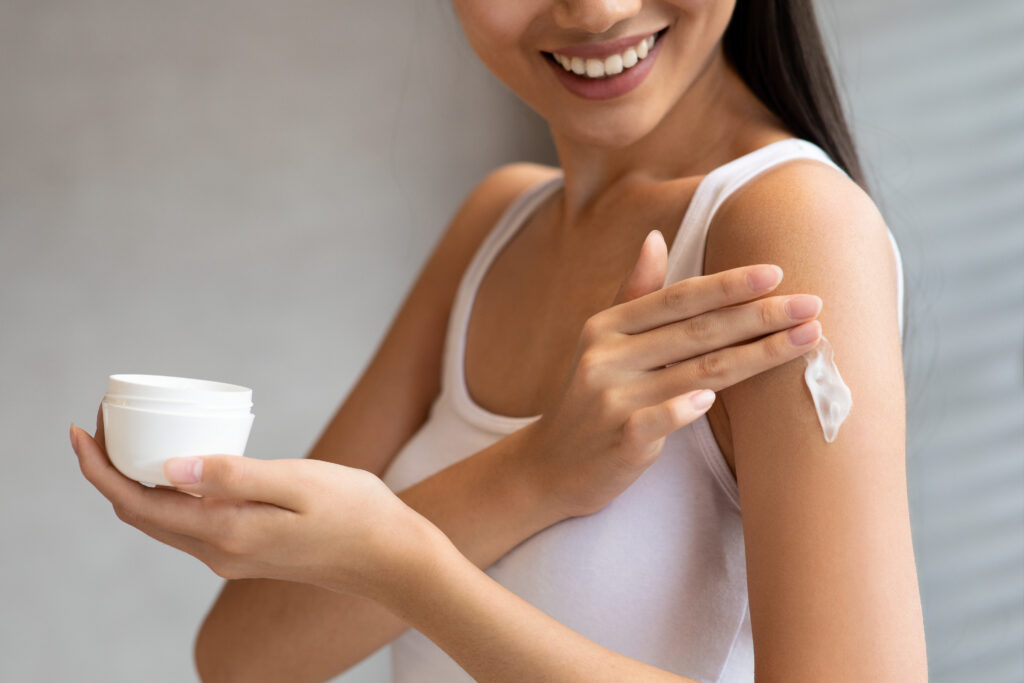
(602, 72)
(609, 65)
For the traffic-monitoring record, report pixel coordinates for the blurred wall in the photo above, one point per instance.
(245, 190)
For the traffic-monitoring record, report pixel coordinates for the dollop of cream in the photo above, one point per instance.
(832, 398)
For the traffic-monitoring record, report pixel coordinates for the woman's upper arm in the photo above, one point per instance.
(830, 564)
(392, 398)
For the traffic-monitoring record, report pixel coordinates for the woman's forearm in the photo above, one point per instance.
(268, 630)
(488, 503)
(495, 635)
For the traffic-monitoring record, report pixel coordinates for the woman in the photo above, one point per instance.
(582, 471)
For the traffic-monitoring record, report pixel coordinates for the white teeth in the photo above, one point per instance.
(641, 49)
(610, 65)
(613, 65)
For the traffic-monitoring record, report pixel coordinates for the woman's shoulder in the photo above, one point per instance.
(486, 202)
(804, 211)
(506, 182)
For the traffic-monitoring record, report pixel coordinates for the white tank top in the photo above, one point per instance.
(659, 574)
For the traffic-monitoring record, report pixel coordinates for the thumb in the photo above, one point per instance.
(648, 273)
(236, 477)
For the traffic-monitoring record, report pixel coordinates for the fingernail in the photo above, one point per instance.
(702, 399)
(764, 277)
(804, 334)
(803, 306)
(183, 470)
(74, 438)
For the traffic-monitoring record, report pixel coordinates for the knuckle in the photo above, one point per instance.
(232, 472)
(678, 415)
(675, 297)
(121, 512)
(633, 431)
(591, 365)
(726, 282)
(236, 544)
(711, 366)
(766, 314)
(611, 402)
(592, 330)
(700, 326)
(126, 514)
(227, 569)
(87, 472)
(229, 536)
(776, 347)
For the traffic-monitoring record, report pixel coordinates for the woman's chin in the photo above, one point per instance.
(607, 135)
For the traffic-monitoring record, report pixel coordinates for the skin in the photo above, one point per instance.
(831, 576)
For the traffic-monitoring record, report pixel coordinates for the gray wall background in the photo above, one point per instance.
(245, 190)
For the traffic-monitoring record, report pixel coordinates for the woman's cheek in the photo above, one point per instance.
(499, 22)
(498, 33)
(695, 8)
(699, 24)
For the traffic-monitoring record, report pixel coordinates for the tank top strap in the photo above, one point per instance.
(686, 258)
(452, 376)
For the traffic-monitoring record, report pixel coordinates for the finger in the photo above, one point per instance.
(725, 367)
(648, 273)
(718, 329)
(133, 502)
(98, 470)
(100, 438)
(279, 482)
(693, 296)
(658, 421)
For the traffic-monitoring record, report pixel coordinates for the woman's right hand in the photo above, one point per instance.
(640, 364)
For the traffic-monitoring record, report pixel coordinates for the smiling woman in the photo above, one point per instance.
(544, 406)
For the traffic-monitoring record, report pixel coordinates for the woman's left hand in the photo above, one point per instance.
(301, 520)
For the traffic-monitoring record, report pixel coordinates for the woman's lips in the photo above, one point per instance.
(607, 87)
(602, 50)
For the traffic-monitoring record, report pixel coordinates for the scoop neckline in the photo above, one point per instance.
(470, 409)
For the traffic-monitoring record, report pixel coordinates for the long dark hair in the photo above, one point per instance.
(776, 47)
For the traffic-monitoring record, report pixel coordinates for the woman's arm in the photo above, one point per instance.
(830, 562)
(270, 630)
(495, 635)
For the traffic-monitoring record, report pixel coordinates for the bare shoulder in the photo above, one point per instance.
(491, 196)
(805, 208)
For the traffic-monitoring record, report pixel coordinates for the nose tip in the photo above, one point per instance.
(594, 16)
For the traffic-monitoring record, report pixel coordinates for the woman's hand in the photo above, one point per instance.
(641, 363)
(302, 520)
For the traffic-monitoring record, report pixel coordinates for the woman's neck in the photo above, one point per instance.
(717, 119)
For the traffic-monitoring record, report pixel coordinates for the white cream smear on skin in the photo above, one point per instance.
(832, 398)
